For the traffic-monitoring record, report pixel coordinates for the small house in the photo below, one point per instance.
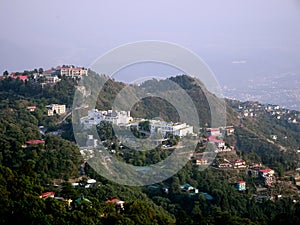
(31, 108)
(213, 132)
(229, 131)
(239, 163)
(266, 173)
(49, 194)
(241, 185)
(116, 202)
(219, 143)
(274, 137)
(199, 162)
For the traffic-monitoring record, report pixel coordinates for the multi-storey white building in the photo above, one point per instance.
(116, 117)
(123, 118)
(180, 129)
(51, 79)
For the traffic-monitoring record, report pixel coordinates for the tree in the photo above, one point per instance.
(5, 73)
(41, 71)
(144, 125)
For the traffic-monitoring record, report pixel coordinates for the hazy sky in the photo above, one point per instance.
(237, 39)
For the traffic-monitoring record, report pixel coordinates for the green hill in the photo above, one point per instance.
(29, 170)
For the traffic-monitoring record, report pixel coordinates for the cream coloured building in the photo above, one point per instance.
(56, 109)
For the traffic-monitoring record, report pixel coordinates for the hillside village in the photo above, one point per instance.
(48, 76)
(256, 109)
(122, 118)
(242, 173)
(214, 138)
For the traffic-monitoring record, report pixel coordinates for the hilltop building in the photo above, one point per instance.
(71, 71)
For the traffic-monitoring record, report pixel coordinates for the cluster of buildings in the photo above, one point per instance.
(193, 191)
(81, 201)
(220, 131)
(235, 164)
(123, 118)
(50, 76)
(255, 109)
(90, 183)
(184, 188)
(53, 75)
(267, 176)
(264, 175)
(53, 109)
(215, 137)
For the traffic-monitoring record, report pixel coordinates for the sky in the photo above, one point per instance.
(236, 39)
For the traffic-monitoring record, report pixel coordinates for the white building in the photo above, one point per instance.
(116, 117)
(51, 79)
(123, 118)
(180, 129)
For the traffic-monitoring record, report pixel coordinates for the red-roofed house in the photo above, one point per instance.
(266, 172)
(22, 77)
(31, 108)
(213, 131)
(49, 72)
(47, 195)
(116, 202)
(35, 142)
(219, 143)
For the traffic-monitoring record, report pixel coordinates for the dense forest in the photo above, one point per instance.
(28, 170)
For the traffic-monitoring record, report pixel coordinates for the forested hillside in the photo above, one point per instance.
(38, 154)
